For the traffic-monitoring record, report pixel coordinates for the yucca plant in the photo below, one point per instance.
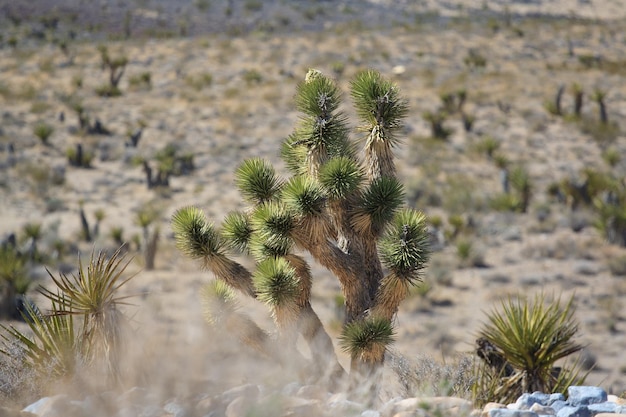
(13, 280)
(93, 295)
(521, 345)
(43, 131)
(346, 211)
(51, 349)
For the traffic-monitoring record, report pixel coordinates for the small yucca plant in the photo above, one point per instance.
(521, 345)
(43, 131)
(93, 295)
(52, 348)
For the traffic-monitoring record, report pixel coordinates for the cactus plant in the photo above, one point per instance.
(346, 214)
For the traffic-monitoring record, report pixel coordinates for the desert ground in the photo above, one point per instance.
(220, 88)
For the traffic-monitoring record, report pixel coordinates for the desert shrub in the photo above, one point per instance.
(423, 376)
(199, 81)
(78, 157)
(14, 281)
(43, 131)
(436, 121)
(617, 265)
(143, 80)
(520, 345)
(82, 332)
(252, 76)
(474, 59)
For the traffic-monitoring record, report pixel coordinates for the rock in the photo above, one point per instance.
(370, 413)
(542, 409)
(304, 408)
(8, 412)
(556, 397)
(312, 392)
(525, 401)
(506, 412)
(569, 411)
(239, 407)
(557, 405)
(49, 406)
(584, 395)
(491, 406)
(249, 391)
(176, 409)
(605, 407)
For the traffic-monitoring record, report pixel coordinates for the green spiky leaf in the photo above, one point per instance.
(277, 283)
(366, 338)
(195, 237)
(272, 225)
(304, 196)
(294, 154)
(378, 103)
(237, 231)
(94, 289)
(380, 201)
(404, 246)
(257, 180)
(52, 348)
(324, 134)
(340, 177)
(218, 302)
(531, 336)
(317, 96)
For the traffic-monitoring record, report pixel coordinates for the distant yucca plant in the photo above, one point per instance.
(521, 345)
(345, 211)
(43, 131)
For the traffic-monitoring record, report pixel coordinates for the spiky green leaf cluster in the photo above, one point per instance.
(92, 290)
(257, 180)
(294, 154)
(237, 231)
(363, 336)
(317, 96)
(272, 224)
(380, 201)
(304, 196)
(12, 268)
(404, 246)
(194, 236)
(532, 336)
(378, 103)
(218, 301)
(340, 177)
(322, 130)
(276, 283)
(52, 349)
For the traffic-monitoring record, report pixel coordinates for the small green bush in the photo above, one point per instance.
(43, 131)
(519, 346)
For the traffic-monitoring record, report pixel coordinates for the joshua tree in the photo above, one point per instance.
(598, 97)
(577, 91)
(346, 212)
(116, 67)
(145, 217)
